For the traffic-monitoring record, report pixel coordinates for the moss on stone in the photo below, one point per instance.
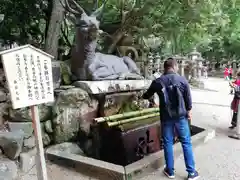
(128, 107)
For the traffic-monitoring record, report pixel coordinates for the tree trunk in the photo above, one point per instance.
(116, 38)
(54, 28)
(48, 13)
(131, 19)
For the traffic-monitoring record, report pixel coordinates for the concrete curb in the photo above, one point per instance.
(104, 170)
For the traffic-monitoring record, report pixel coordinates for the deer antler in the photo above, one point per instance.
(124, 13)
(133, 5)
(99, 10)
(79, 10)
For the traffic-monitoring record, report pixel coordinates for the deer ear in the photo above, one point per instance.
(71, 17)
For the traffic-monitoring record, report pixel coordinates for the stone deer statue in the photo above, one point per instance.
(86, 63)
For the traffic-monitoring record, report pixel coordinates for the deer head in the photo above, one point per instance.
(87, 24)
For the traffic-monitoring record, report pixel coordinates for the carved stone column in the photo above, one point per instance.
(181, 67)
(199, 67)
(234, 64)
(157, 63)
(194, 72)
(213, 65)
(148, 70)
(194, 54)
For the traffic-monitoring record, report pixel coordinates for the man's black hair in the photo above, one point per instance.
(169, 63)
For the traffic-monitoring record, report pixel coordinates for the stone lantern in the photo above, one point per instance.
(180, 61)
(149, 66)
(234, 66)
(182, 66)
(196, 59)
(157, 63)
(194, 54)
(199, 63)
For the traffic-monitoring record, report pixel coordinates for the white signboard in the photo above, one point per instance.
(28, 72)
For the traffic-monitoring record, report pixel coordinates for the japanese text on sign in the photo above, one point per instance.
(29, 74)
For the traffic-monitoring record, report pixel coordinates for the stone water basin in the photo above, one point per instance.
(128, 143)
(121, 156)
(126, 150)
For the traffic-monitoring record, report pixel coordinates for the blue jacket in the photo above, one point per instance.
(156, 87)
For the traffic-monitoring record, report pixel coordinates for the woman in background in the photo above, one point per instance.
(235, 101)
(230, 72)
(226, 73)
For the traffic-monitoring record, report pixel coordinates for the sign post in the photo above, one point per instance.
(28, 72)
(41, 163)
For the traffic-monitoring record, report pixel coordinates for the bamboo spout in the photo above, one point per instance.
(127, 115)
(134, 119)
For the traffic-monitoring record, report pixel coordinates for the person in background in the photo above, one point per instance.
(230, 72)
(175, 112)
(226, 73)
(205, 72)
(235, 101)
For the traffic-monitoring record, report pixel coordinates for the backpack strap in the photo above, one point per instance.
(164, 90)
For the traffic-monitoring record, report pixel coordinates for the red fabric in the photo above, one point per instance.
(234, 105)
(237, 82)
(230, 70)
(226, 73)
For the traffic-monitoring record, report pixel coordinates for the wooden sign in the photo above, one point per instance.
(28, 72)
(29, 75)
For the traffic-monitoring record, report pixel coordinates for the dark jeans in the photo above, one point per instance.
(234, 119)
(183, 131)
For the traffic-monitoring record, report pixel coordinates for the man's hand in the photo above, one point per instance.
(189, 115)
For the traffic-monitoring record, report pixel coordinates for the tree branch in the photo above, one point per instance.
(64, 35)
(131, 19)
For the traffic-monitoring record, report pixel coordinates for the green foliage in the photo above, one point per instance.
(24, 22)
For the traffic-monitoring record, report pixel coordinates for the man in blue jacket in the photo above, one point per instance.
(175, 111)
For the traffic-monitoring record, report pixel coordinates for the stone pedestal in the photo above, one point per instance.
(213, 66)
(199, 67)
(114, 94)
(181, 68)
(149, 70)
(234, 64)
(56, 72)
(157, 63)
(194, 73)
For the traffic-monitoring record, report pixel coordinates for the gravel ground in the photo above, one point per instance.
(55, 172)
(216, 160)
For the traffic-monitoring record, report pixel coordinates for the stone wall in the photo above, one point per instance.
(61, 121)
